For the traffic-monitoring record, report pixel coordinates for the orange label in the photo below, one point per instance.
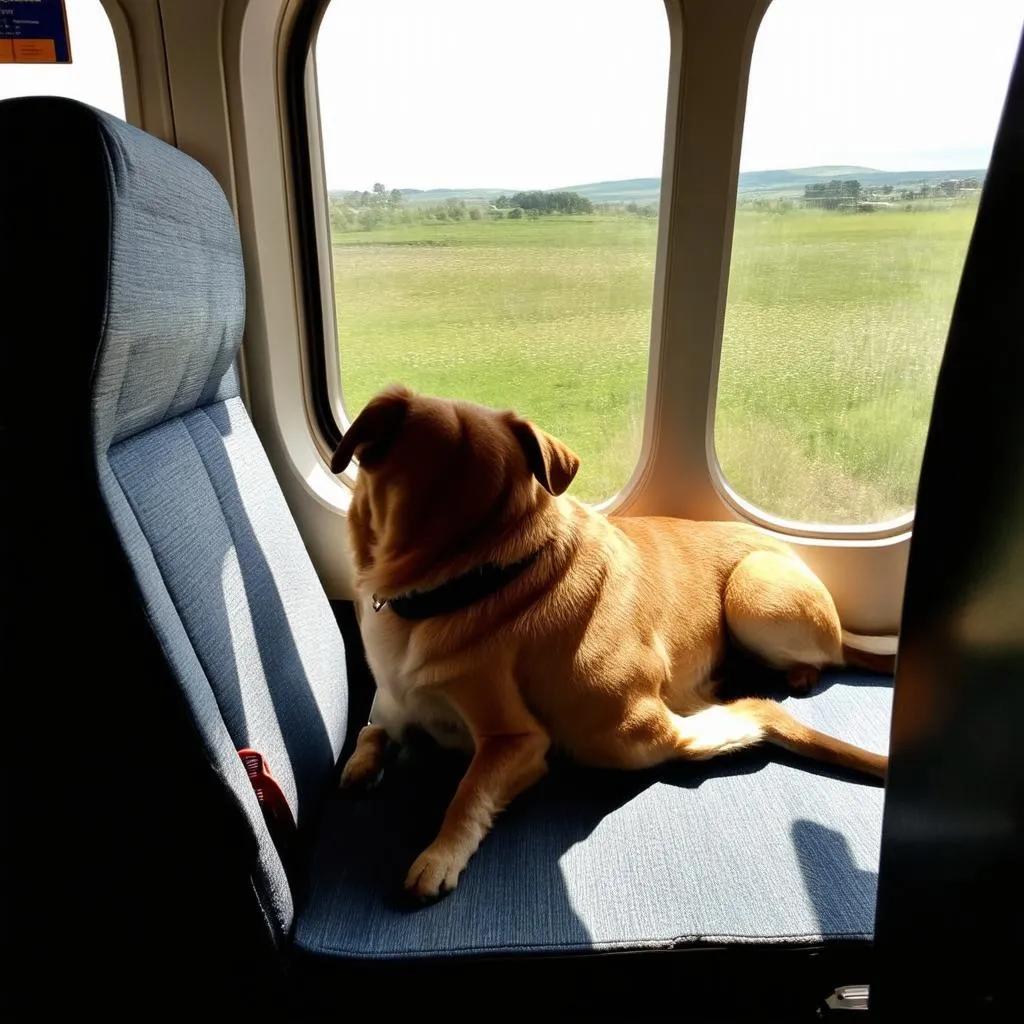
(34, 51)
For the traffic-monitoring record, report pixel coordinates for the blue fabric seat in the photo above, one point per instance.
(755, 848)
(147, 350)
(194, 574)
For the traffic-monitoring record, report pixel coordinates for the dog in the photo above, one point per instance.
(506, 619)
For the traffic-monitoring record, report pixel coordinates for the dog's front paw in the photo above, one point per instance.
(434, 873)
(363, 768)
(360, 773)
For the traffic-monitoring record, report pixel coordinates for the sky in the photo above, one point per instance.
(549, 93)
(553, 93)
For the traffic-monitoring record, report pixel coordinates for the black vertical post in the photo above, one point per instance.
(949, 931)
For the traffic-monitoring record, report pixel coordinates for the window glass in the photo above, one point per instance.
(867, 135)
(493, 186)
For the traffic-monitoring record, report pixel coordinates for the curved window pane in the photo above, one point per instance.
(867, 135)
(493, 234)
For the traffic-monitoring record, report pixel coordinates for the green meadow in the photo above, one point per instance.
(833, 334)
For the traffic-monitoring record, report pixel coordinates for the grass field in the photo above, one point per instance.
(833, 332)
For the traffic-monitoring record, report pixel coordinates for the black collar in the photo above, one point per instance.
(457, 593)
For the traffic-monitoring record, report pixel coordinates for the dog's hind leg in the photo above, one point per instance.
(654, 734)
(779, 610)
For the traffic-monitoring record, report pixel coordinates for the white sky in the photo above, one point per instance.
(547, 93)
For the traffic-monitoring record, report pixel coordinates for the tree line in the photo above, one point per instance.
(546, 202)
(366, 210)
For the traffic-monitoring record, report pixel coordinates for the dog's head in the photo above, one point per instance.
(443, 480)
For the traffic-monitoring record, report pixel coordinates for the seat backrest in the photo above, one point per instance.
(148, 335)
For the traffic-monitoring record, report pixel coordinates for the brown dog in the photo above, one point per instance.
(503, 617)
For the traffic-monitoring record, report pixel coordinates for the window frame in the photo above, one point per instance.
(138, 36)
(326, 408)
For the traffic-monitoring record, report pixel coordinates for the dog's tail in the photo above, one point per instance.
(873, 653)
(722, 728)
(782, 729)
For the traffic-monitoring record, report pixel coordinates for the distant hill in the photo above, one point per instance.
(439, 195)
(638, 190)
(797, 178)
(629, 190)
(647, 190)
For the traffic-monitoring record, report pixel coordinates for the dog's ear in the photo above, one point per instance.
(374, 429)
(550, 461)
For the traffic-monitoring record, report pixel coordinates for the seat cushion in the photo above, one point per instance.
(759, 847)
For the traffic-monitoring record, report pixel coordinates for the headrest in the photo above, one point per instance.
(135, 257)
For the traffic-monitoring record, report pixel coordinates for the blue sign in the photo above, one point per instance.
(34, 32)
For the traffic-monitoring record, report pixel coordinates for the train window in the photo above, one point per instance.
(867, 134)
(94, 74)
(493, 233)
